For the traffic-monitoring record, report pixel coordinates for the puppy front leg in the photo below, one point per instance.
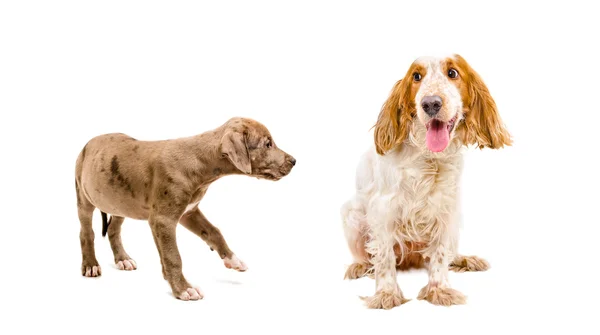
(388, 294)
(438, 291)
(163, 229)
(197, 223)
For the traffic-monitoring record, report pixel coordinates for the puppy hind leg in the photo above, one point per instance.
(122, 259)
(85, 211)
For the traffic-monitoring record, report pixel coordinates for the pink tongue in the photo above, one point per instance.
(437, 136)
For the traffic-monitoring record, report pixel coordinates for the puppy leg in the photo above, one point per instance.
(122, 259)
(469, 263)
(89, 264)
(438, 291)
(161, 257)
(197, 223)
(164, 229)
(356, 233)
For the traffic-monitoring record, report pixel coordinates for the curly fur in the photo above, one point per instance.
(404, 213)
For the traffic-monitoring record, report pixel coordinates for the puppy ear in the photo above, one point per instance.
(234, 147)
(392, 124)
(483, 125)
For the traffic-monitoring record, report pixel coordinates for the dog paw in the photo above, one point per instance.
(442, 296)
(385, 300)
(469, 263)
(235, 263)
(127, 265)
(192, 293)
(91, 271)
(357, 270)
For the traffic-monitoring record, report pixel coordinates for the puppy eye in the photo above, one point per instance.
(268, 144)
(452, 73)
(417, 76)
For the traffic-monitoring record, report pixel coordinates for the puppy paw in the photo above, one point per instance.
(385, 300)
(235, 263)
(127, 265)
(442, 296)
(91, 271)
(192, 293)
(469, 263)
(357, 270)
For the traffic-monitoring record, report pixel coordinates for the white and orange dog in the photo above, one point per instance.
(405, 210)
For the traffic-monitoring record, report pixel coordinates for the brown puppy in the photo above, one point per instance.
(163, 182)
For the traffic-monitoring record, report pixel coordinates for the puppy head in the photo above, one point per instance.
(250, 147)
(432, 100)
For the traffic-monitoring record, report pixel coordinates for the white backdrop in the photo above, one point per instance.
(316, 74)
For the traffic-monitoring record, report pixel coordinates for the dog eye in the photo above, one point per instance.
(268, 144)
(452, 73)
(417, 76)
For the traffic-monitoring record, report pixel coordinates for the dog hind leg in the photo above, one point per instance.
(356, 231)
(122, 259)
(85, 211)
(463, 263)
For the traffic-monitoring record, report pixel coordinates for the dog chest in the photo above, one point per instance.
(426, 197)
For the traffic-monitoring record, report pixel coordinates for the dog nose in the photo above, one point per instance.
(293, 161)
(431, 104)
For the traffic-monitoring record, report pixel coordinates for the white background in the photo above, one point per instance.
(316, 74)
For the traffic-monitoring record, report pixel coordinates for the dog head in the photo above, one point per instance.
(249, 146)
(438, 101)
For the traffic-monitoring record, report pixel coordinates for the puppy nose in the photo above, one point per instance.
(293, 161)
(431, 104)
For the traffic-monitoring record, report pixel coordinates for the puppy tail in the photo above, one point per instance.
(105, 223)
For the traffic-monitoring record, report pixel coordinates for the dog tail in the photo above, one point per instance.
(105, 223)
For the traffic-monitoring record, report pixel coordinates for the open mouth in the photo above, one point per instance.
(438, 134)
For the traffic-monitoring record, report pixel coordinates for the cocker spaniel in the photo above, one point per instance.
(405, 210)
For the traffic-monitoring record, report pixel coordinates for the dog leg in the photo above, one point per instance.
(164, 231)
(355, 230)
(160, 255)
(381, 246)
(469, 263)
(197, 223)
(85, 211)
(388, 294)
(438, 291)
(122, 259)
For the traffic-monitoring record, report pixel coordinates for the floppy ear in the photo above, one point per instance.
(392, 124)
(233, 145)
(483, 125)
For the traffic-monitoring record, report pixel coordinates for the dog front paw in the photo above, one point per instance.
(385, 300)
(235, 263)
(192, 293)
(469, 263)
(442, 296)
(91, 269)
